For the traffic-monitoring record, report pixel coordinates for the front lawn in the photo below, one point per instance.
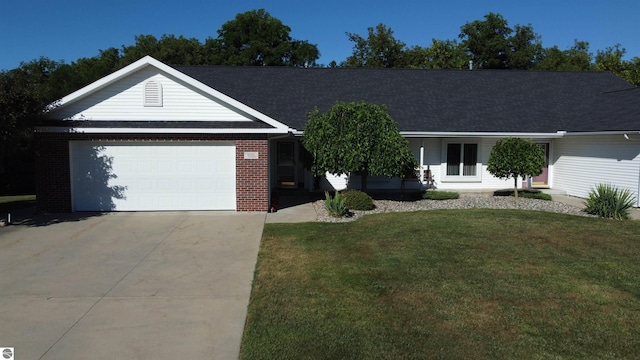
(447, 284)
(16, 202)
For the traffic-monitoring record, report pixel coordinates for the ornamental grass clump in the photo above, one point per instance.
(607, 201)
(335, 206)
(358, 200)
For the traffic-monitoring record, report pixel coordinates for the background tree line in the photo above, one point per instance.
(491, 44)
(255, 38)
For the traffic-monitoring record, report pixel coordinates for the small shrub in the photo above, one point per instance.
(335, 206)
(607, 201)
(358, 200)
(534, 195)
(440, 195)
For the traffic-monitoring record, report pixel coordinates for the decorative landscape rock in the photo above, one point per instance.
(464, 202)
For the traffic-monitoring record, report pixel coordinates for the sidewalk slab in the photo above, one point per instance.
(293, 214)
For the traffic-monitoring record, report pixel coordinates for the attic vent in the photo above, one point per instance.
(152, 93)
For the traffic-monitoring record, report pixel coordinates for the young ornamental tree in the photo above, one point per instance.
(356, 137)
(514, 157)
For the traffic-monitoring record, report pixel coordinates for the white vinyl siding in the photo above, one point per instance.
(582, 162)
(435, 160)
(334, 182)
(123, 100)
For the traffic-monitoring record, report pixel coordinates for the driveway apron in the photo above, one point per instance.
(128, 286)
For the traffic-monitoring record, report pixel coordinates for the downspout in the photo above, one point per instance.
(421, 164)
(626, 137)
(638, 193)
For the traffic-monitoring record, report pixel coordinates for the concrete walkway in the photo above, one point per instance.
(128, 285)
(304, 212)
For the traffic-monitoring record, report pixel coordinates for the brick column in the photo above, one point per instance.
(252, 175)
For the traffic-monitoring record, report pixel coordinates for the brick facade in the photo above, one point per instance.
(53, 179)
(252, 175)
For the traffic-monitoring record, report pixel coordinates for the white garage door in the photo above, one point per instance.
(151, 176)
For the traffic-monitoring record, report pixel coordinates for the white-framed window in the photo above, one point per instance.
(152, 93)
(461, 160)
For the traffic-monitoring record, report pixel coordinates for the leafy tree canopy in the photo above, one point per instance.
(356, 137)
(442, 54)
(379, 49)
(514, 157)
(610, 59)
(169, 49)
(257, 38)
(576, 58)
(486, 40)
(24, 93)
(494, 45)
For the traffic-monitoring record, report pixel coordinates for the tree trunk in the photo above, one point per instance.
(515, 186)
(363, 180)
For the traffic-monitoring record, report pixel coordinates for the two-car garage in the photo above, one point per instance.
(151, 138)
(152, 176)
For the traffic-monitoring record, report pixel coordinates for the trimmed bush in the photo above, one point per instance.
(607, 201)
(535, 195)
(440, 195)
(529, 194)
(358, 200)
(335, 206)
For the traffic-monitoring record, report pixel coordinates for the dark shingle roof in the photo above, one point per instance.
(438, 100)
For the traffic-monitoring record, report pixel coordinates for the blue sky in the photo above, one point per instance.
(71, 29)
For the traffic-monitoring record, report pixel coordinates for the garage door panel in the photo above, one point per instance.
(152, 176)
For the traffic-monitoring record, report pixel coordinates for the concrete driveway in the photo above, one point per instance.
(128, 285)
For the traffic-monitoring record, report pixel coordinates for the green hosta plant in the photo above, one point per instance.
(607, 201)
(336, 206)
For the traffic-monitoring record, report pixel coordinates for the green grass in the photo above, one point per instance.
(12, 203)
(450, 284)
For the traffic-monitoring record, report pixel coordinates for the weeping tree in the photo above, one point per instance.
(356, 137)
(514, 157)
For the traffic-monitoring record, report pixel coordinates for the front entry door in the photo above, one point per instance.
(542, 180)
(286, 164)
